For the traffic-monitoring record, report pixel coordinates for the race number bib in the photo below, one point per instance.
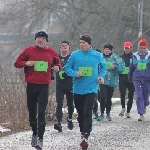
(60, 74)
(126, 70)
(141, 66)
(86, 71)
(41, 66)
(108, 64)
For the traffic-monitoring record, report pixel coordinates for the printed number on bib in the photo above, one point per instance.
(141, 66)
(109, 64)
(86, 71)
(41, 66)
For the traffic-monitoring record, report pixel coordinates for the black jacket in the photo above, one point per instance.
(61, 77)
(126, 58)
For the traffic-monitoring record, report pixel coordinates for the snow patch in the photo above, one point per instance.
(3, 129)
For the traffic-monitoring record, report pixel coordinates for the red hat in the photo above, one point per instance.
(143, 42)
(127, 44)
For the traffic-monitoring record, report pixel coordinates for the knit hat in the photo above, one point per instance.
(108, 46)
(65, 42)
(86, 38)
(41, 34)
(143, 42)
(127, 44)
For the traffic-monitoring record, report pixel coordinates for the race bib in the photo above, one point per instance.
(141, 66)
(108, 64)
(86, 71)
(126, 70)
(60, 74)
(41, 66)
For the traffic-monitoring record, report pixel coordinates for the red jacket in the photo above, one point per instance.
(33, 53)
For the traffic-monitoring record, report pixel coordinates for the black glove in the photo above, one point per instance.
(64, 75)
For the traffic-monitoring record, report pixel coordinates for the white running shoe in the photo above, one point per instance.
(122, 112)
(141, 118)
(128, 115)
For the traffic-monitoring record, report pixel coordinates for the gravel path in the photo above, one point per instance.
(119, 134)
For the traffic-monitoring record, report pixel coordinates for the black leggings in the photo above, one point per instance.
(105, 101)
(60, 92)
(37, 99)
(84, 105)
(123, 86)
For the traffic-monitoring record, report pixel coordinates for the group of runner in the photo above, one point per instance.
(82, 76)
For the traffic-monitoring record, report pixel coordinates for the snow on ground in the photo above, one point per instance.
(119, 134)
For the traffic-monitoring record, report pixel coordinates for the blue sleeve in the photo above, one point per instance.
(102, 65)
(119, 65)
(69, 67)
(131, 70)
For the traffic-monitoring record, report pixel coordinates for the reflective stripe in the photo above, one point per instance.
(138, 60)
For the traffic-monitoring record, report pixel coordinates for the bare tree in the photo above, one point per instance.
(106, 21)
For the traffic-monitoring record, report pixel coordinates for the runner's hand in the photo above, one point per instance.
(79, 74)
(56, 68)
(30, 63)
(100, 80)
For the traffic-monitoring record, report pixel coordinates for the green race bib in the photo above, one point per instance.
(126, 70)
(86, 71)
(141, 66)
(60, 74)
(41, 66)
(108, 64)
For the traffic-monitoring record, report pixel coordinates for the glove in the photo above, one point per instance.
(64, 75)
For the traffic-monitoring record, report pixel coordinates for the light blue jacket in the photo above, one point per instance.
(89, 58)
(112, 75)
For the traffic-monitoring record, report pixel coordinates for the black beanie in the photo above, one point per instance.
(108, 46)
(65, 42)
(86, 38)
(42, 34)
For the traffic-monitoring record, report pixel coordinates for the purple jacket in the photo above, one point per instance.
(139, 66)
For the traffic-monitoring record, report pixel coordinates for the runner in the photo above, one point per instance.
(115, 66)
(83, 67)
(37, 60)
(64, 87)
(124, 83)
(139, 73)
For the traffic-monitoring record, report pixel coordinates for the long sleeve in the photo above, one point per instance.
(21, 60)
(131, 70)
(68, 67)
(102, 70)
(56, 60)
(119, 65)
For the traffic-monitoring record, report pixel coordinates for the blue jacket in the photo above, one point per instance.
(134, 72)
(112, 75)
(89, 58)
